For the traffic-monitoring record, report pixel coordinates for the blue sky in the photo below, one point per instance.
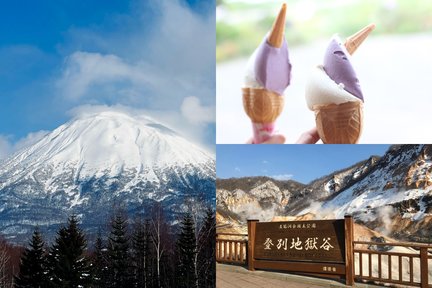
(302, 163)
(154, 56)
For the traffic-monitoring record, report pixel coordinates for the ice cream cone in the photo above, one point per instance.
(261, 105)
(271, 71)
(342, 124)
(277, 32)
(354, 41)
(263, 108)
(339, 123)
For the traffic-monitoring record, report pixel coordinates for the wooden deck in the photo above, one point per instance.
(229, 276)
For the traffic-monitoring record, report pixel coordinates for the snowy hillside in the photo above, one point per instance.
(94, 161)
(391, 194)
(398, 190)
(106, 143)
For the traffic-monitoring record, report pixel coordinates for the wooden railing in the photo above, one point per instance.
(410, 268)
(231, 248)
(394, 267)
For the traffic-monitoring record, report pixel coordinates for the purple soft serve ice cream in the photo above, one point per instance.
(269, 68)
(268, 74)
(335, 82)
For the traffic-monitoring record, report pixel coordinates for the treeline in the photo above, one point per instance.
(145, 252)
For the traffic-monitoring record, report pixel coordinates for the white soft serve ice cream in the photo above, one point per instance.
(335, 82)
(250, 80)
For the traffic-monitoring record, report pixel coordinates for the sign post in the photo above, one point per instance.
(349, 250)
(251, 244)
(320, 247)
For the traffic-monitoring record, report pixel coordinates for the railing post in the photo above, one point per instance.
(424, 267)
(349, 251)
(217, 248)
(251, 244)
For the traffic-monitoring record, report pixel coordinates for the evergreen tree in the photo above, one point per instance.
(99, 264)
(206, 261)
(186, 249)
(32, 271)
(139, 253)
(168, 267)
(149, 256)
(118, 253)
(68, 265)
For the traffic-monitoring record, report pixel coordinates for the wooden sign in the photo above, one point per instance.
(306, 241)
(319, 247)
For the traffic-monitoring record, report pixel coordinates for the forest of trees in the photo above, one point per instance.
(143, 252)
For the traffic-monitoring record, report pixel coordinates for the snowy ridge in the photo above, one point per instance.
(113, 141)
(386, 186)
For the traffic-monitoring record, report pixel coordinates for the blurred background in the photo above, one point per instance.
(393, 64)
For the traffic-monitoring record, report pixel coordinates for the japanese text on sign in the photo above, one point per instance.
(297, 244)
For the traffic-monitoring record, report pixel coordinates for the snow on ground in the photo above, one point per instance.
(347, 203)
(394, 265)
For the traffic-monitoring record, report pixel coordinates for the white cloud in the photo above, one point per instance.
(30, 139)
(85, 70)
(196, 113)
(8, 146)
(265, 162)
(154, 65)
(151, 64)
(5, 146)
(282, 177)
(88, 109)
(237, 169)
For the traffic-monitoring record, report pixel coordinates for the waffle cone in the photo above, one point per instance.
(354, 41)
(339, 123)
(261, 105)
(276, 35)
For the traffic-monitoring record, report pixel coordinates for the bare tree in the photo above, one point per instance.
(158, 233)
(197, 208)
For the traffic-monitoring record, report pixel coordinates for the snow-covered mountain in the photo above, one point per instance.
(95, 161)
(391, 194)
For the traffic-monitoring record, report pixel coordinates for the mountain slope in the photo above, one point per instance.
(95, 161)
(395, 198)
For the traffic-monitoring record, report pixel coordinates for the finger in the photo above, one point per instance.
(276, 139)
(309, 137)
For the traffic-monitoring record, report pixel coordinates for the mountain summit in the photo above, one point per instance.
(94, 161)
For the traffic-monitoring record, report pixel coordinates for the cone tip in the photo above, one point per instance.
(369, 28)
(276, 35)
(354, 41)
